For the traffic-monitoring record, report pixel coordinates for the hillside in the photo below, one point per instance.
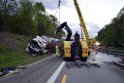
(12, 50)
(112, 35)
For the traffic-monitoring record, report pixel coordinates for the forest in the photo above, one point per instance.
(26, 17)
(112, 35)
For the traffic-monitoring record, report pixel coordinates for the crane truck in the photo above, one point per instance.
(72, 50)
(78, 49)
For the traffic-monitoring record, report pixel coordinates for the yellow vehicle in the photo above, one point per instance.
(79, 48)
(73, 50)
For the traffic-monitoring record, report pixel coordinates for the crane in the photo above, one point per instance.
(79, 48)
(82, 24)
(72, 50)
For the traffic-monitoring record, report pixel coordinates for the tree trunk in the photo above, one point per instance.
(5, 16)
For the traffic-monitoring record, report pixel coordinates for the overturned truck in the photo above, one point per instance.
(36, 46)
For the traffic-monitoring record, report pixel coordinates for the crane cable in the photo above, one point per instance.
(58, 7)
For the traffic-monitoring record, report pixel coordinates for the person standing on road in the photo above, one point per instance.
(57, 50)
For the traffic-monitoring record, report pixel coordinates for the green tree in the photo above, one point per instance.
(7, 8)
(25, 17)
(113, 33)
(40, 19)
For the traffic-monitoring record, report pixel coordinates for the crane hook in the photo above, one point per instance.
(59, 3)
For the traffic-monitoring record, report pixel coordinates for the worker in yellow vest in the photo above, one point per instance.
(57, 50)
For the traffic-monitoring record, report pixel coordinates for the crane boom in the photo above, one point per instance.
(82, 23)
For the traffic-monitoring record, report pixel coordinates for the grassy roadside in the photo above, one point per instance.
(12, 52)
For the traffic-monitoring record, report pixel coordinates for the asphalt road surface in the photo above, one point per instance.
(54, 70)
(106, 73)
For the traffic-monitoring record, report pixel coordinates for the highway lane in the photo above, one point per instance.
(38, 73)
(44, 70)
(107, 73)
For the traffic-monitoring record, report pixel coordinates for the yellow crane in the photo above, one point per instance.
(79, 48)
(82, 24)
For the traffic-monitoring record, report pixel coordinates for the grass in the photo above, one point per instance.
(18, 56)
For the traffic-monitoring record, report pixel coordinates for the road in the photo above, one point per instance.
(107, 73)
(54, 70)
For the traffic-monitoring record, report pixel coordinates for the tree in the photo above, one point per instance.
(26, 20)
(26, 17)
(6, 7)
(40, 19)
(113, 33)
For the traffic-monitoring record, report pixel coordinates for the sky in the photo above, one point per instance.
(96, 13)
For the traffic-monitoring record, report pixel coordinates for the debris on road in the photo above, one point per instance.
(10, 70)
(22, 67)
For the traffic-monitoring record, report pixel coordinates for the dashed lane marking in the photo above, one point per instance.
(64, 79)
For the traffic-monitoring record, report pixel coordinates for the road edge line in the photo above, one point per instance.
(31, 64)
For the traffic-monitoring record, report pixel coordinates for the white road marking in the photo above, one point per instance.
(56, 73)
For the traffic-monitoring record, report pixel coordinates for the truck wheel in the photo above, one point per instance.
(62, 53)
(84, 59)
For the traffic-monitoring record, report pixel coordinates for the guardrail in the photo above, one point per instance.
(112, 52)
(119, 64)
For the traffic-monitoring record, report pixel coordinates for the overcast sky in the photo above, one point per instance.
(96, 13)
